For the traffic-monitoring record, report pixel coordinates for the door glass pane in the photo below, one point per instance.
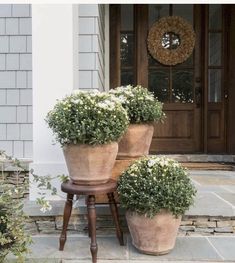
(214, 49)
(214, 91)
(215, 17)
(182, 90)
(127, 77)
(185, 11)
(127, 18)
(159, 83)
(127, 46)
(187, 63)
(156, 12)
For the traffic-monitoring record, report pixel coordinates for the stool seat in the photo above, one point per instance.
(90, 191)
(78, 189)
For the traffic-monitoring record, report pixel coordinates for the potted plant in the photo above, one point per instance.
(156, 191)
(143, 110)
(88, 126)
(13, 236)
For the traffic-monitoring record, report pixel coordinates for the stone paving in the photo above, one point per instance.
(193, 249)
(216, 193)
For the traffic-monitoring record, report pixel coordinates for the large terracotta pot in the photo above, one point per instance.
(90, 165)
(136, 141)
(155, 236)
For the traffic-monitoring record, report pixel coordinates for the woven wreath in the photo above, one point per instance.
(179, 27)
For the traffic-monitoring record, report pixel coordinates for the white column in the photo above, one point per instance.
(55, 74)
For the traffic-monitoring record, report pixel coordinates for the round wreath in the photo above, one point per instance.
(178, 26)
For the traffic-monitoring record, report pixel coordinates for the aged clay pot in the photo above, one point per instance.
(155, 236)
(136, 141)
(90, 165)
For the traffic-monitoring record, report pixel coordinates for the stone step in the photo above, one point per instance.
(212, 214)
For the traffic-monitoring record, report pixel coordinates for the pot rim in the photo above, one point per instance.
(162, 211)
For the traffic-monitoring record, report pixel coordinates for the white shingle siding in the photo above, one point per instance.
(12, 26)
(2, 26)
(3, 97)
(5, 10)
(3, 131)
(13, 97)
(13, 132)
(91, 46)
(12, 61)
(4, 44)
(21, 10)
(2, 61)
(18, 44)
(16, 79)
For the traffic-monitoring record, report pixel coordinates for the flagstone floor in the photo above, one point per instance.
(215, 197)
(191, 249)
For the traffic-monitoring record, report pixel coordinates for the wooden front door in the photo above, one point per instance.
(192, 91)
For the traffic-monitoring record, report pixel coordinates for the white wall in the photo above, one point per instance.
(54, 75)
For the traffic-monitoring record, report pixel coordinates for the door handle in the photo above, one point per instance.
(198, 97)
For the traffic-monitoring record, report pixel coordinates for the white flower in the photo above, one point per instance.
(132, 174)
(46, 207)
(43, 209)
(75, 101)
(151, 162)
(102, 105)
(122, 99)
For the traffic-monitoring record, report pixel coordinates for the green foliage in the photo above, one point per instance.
(44, 186)
(140, 104)
(155, 183)
(13, 237)
(88, 118)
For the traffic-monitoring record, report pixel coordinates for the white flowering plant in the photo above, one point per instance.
(140, 104)
(152, 184)
(88, 118)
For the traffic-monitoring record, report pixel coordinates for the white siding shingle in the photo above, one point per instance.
(20, 10)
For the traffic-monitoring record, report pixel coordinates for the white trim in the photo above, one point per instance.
(106, 50)
(75, 36)
(53, 77)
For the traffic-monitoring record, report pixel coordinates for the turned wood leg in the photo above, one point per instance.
(114, 211)
(67, 214)
(92, 226)
(89, 223)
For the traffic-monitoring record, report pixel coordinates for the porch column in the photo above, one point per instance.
(55, 74)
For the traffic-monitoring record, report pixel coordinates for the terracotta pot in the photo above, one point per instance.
(90, 165)
(136, 141)
(155, 236)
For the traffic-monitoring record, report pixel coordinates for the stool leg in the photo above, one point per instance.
(89, 223)
(67, 214)
(114, 211)
(92, 226)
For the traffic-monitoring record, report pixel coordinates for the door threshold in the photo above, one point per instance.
(209, 166)
(202, 158)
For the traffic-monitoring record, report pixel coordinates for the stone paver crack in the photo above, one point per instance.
(215, 249)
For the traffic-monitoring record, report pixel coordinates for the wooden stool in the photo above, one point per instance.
(90, 191)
